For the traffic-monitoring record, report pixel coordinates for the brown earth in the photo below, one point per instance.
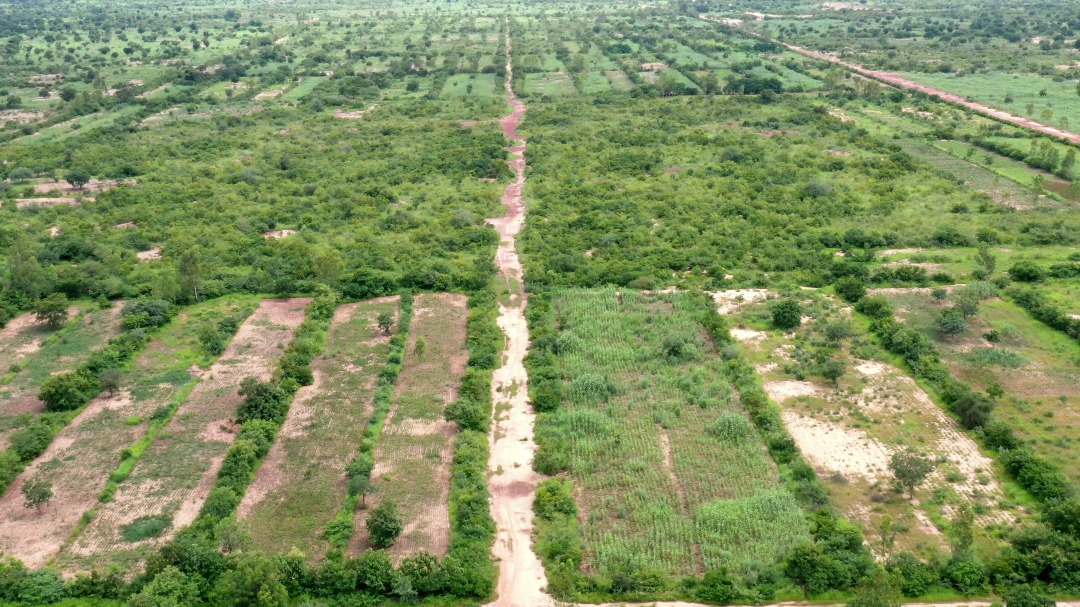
(302, 482)
(176, 473)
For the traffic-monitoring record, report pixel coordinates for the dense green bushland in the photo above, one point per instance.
(389, 206)
(658, 192)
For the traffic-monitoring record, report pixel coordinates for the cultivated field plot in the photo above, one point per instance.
(34, 353)
(1037, 367)
(849, 430)
(81, 457)
(174, 476)
(414, 452)
(301, 483)
(669, 472)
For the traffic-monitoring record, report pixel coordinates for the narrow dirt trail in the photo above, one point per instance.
(897, 80)
(512, 481)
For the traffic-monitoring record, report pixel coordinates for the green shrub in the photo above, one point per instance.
(145, 527)
(68, 391)
(786, 314)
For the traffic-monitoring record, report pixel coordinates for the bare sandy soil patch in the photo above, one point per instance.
(40, 357)
(743, 334)
(729, 302)
(20, 116)
(278, 234)
(175, 474)
(301, 484)
(149, 254)
(22, 203)
(522, 580)
(356, 114)
(415, 451)
(655, 66)
(271, 94)
(95, 185)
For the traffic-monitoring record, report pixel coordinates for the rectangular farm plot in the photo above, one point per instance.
(848, 430)
(301, 484)
(35, 353)
(1034, 365)
(414, 453)
(175, 474)
(668, 470)
(81, 457)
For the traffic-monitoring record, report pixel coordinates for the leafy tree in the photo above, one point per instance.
(879, 589)
(110, 380)
(910, 468)
(874, 307)
(916, 577)
(25, 276)
(786, 314)
(169, 588)
(189, 268)
(68, 391)
(1026, 596)
(52, 310)
(986, 260)
(951, 321)
(262, 400)
(973, 409)
(1026, 271)
(385, 322)
(967, 302)
(850, 289)
(717, 588)
(833, 369)
(419, 347)
(78, 179)
(68, 93)
(384, 525)
(37, 492)
(962, 534)
(254, 582)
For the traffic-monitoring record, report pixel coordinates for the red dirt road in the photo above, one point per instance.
(512, 481)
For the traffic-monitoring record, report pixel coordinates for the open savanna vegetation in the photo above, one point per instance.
(851, 409)
(539, 302)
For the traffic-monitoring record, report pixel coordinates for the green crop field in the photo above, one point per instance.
(669, 472)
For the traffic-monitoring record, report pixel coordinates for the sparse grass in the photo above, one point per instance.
(303, 471)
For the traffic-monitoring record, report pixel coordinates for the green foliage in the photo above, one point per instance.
(786, 314)
(53, 310)
(169, 588)
(384, 525)
(262, 401)
(36, 492)
(879, 589)
(1026, 271)
(68, 391)
(1026, 596)
(145, 527)
(850, 289)
(253, 581)
(915, 577)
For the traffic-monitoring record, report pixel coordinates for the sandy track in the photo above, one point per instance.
(512, 481)
(176, 473)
